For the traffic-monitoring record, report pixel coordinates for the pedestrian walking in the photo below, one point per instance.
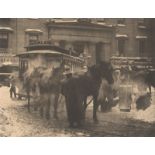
(12, 90)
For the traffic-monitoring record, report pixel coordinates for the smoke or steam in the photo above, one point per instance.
(138, 87)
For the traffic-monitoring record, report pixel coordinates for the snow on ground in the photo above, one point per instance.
(15, 120)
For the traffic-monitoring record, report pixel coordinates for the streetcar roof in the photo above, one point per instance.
(5, 74)
(38, 52)
(46, 52)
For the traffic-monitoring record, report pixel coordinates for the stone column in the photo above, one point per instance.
(86, 54)
(92, 53)
(86, 49)
(107, 51)
(102, 52)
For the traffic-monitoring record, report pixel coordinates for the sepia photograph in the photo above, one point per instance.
(77, 77)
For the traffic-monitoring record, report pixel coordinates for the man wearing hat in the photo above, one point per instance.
(68, 72)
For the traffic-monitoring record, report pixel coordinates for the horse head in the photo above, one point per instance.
(106, 71)
(103, 70)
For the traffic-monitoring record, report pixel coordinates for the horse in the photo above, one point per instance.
(150, 79)
(50, 88)
(76, 89)
(48, 82)
(30, 79)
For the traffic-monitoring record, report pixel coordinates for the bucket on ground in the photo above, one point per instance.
(125, 101)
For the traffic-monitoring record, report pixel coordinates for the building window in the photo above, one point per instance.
(121, 21)
(142, 44)
(4, 40)
(121, 47)
(33, 38)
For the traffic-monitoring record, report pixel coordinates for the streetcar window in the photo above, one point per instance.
(3, 40)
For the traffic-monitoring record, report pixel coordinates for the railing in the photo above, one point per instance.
(41, 42)
(139, 62)
(3, 50)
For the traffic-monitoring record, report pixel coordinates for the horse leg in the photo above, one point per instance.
(35, 106)
(150, 89)
(41, 105)
(28, 101)
(95, 107)
(41, 111)
(56, 98)
(85, 107)
(48, 105)
(37, 103)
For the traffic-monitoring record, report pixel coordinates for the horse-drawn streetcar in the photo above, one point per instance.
(47, 55)
(41, 69)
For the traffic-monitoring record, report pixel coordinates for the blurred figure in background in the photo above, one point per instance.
(12, 90)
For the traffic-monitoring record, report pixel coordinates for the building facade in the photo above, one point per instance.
(83, 37)
(132, 37)
(96, 39)
(105, 37)
(16, 33)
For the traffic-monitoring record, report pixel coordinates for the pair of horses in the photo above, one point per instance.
(75, 89)
(43, 85)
